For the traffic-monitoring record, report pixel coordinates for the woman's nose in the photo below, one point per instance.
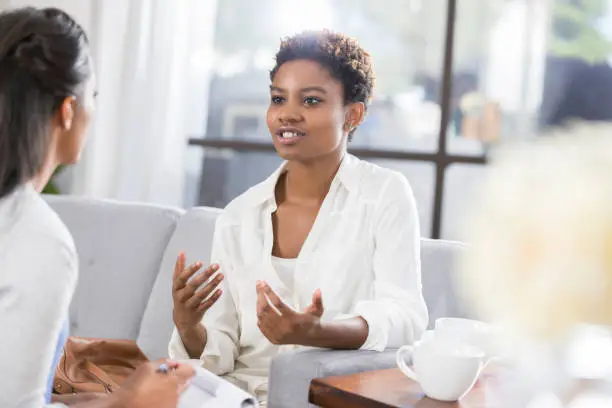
(289, 114)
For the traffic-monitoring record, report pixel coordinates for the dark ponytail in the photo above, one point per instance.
(44, 58)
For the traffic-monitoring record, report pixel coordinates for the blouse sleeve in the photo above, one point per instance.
(397, 314)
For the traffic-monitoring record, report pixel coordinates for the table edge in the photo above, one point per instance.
(358, 401)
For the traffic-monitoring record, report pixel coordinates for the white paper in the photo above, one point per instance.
(207, 390)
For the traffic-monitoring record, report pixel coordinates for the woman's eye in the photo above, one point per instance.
(311, 100)
(276, 100)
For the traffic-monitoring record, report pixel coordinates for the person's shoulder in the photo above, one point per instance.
(44, 221)
(40, 241)
(38, 226)
(377, 181)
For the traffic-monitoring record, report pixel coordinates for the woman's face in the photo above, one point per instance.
(72, 140)
(307, 116)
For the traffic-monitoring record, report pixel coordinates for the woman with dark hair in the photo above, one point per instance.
(47, 99)
(325, 252)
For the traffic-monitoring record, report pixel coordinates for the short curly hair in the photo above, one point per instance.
(340, 54)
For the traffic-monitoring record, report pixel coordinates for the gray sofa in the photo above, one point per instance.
(127, 253)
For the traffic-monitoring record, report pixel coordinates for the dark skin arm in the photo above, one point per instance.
(281, 324)
(194, 340)
(348, 334)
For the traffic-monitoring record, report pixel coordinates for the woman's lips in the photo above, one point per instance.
(289, 136)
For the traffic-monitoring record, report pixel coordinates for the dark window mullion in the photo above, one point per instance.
(365, 153)
(445, 103)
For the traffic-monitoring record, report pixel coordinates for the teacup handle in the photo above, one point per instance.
(400, 356)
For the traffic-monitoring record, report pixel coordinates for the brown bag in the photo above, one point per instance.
(95, 365)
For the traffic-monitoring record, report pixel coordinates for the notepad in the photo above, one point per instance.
(206, 390)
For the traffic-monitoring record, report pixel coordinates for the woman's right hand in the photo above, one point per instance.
(149, 388)
(190, 304)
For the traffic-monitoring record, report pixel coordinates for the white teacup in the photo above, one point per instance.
(469, 332)
(444, 373)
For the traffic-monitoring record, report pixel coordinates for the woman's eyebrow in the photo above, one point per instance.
(314, 88)
(277, 89)
(319, 89)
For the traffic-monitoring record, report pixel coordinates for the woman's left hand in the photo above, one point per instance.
(285, 325)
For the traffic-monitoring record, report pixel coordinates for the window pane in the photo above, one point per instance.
(461, 182)
(521, 66)
(498, 65)
(405, 39)
(578, 76)
(226, 175)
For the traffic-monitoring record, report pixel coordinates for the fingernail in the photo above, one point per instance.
(215, 266)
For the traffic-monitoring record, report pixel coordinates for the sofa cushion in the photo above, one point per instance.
(291, 373)
(120, 246)
(193, 236)
(438, 269)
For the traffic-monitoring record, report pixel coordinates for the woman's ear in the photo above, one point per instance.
(66, 113)
(354, 115)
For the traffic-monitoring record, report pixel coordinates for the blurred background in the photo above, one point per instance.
(184, 88)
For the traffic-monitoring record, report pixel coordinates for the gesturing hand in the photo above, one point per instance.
(280, 323)
(190, 304)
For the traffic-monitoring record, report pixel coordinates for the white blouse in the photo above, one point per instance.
(362, 252)
(285, 269)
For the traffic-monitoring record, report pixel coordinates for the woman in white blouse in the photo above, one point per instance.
(323, 253)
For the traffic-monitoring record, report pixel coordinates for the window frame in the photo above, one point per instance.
(441, 158)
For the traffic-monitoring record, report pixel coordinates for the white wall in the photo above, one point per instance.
(146, 53)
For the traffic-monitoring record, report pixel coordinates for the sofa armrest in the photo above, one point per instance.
(291, 372)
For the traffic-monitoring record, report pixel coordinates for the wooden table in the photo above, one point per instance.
(391, 389)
